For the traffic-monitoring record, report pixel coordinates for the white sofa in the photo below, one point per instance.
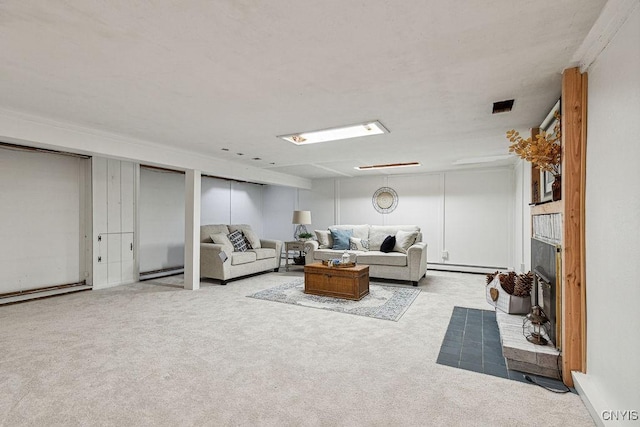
(410, 266)
(221, 262)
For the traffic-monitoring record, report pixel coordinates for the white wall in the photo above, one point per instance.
(161, 219)
(279, 204)
(215, 202)
(478, 217)
(42, 220)
(612, 380)
(522, 216)
(230, 202)
(246, 205)
(162, 213)
(468, 213)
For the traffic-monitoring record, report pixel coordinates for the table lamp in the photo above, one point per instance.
(301, 219)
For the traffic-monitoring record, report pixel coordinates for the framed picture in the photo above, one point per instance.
(546, 178)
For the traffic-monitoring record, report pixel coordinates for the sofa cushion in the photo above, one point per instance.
(357, 244)
(264, 253)
(341, 238)
(360, 231)
(207, 230)
(327, 254)
(237, 240)
(325, 241)
(222, 239)
(404, 239)
(250, 235)
(376, 238)
(238, 258)
(391, 230)
(380, 258)
(388, 244)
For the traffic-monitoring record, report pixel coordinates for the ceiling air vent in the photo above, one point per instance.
(502, 106)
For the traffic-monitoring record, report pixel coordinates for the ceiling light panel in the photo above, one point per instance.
(337, 133)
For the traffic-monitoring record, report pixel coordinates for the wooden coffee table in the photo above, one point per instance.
(348, 282)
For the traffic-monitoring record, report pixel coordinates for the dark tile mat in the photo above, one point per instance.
(472, 342)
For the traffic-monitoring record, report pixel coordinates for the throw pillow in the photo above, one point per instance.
(324, 239)
(237, 240)
(357, 244)
(404, 239)
(341, 239)
(222, 239)
(388, 244)
(375, 240)
(253, 241)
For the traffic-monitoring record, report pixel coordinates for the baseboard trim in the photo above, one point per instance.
(465, 268)
(43, 294)
(155, 274)
(589, 395)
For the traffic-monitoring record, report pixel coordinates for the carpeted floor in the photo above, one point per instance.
(382, 302)
(154, 354)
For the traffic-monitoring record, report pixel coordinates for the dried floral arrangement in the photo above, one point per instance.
(544, 151)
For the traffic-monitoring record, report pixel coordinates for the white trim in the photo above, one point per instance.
(41, 132)
(588, 392)
(612, 17)
(44, 294)
(464, 268)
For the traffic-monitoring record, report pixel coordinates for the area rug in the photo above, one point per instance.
(383, 302)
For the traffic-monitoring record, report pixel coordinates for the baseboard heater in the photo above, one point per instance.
(44, 292)
(464, 268)
(164, 272)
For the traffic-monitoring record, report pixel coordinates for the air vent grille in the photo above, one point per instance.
(502, 106)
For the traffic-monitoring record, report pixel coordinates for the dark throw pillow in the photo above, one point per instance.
(341, 239)
(237, 240)
(388, 244)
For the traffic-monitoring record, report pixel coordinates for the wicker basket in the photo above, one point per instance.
(509, 304)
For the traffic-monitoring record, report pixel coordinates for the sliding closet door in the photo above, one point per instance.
(43, 213)
(161, 208)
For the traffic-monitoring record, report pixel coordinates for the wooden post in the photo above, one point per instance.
(535, 173)
(573, 250)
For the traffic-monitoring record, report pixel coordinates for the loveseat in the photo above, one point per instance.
(407, 259)
(223, 258)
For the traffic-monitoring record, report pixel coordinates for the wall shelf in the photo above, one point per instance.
(547, 208)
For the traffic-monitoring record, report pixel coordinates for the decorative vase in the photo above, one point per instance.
(556, 188)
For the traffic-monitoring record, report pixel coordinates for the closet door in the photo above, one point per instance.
(114, 189)
(42, 219)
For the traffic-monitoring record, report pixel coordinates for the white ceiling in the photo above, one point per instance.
(205, 75)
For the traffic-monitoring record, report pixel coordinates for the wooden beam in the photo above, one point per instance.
(583, 208)
(573, 191)
(535, 173)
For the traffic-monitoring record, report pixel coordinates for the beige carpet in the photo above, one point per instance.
(154, 354)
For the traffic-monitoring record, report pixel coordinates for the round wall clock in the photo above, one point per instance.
(385, 199)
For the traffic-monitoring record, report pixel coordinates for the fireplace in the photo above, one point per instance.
(545, 265)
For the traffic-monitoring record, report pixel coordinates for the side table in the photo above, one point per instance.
(295, 245)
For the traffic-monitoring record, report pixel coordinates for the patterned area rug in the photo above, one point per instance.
(383, 302)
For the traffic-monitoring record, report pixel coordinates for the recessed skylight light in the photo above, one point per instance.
(337, 133)
(388, 166)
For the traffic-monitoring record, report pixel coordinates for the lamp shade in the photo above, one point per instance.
(301, 217)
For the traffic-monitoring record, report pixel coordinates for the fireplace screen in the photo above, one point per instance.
(545, 263)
